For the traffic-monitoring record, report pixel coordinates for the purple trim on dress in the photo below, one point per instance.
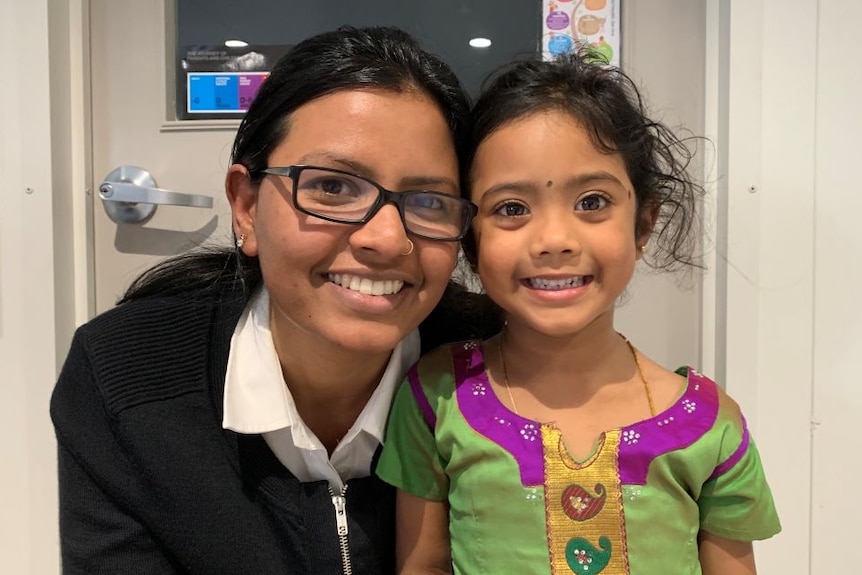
(484, 412)
(728, 464)
(679, 426)
(421, 398)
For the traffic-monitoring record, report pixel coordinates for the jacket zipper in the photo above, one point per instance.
(340, 504)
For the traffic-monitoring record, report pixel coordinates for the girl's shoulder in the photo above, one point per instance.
(666, 386)
(450, 358)
(670, 387)
(442, 369)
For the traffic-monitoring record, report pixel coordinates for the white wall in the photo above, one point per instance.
(28, 528)
(793, 319)
(770, 252)
(837, 334)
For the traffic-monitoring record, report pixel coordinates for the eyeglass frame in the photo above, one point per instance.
(384, 197)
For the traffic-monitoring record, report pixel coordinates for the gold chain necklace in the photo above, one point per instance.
(634, 355)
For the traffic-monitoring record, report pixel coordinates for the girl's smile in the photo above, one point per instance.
(557, 292)
(558, 284)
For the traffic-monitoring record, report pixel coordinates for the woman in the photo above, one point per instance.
(225, 417)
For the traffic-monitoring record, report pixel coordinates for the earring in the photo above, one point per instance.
(409, 249)
(643, 248)
(240, 241)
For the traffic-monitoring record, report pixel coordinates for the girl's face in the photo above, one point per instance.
(555, 231)
(314, 269)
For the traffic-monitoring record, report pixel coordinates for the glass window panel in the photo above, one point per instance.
(441, 26)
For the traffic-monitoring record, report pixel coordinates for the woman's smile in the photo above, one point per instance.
(366, 286)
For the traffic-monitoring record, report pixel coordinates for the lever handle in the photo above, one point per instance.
(130, 196)
(132, 193)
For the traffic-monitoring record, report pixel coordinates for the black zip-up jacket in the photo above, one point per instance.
(150, 482)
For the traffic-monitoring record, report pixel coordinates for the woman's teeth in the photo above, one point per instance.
(367, 286)
(567, 283)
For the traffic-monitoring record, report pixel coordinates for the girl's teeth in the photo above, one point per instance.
(367, 286)
(572, 282)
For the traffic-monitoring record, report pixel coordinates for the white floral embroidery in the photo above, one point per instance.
(689, 405)
(530, 432)
(479, 388)
(630, 436)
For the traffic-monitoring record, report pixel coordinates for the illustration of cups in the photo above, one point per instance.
(589, 24)
(559, 44)
(557, 20)
(595, 4)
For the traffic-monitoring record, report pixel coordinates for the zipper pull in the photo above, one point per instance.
(340, 504)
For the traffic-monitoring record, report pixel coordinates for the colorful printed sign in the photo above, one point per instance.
(217, 82)
(219, 92)
(595, 24)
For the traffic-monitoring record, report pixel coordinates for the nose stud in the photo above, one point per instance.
(409, 248)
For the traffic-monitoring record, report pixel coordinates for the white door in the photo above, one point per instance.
(130, 111)
(132, 42)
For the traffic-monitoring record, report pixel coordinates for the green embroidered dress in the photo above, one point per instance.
(520, 504)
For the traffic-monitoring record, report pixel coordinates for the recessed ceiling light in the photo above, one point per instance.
(235, 43)
(480, 42)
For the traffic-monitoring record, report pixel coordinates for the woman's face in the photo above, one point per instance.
(314, 269)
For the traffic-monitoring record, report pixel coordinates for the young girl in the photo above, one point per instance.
(556, 446)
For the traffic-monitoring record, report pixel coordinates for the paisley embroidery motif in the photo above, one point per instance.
(580, 505)
(583, 557)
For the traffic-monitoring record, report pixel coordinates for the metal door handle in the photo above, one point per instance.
(130, 196)
(120, 192)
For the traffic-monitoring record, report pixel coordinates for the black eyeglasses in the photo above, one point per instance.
(338, 196)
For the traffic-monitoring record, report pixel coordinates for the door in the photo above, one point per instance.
(133, 103)
(132, 44)
(130, 127)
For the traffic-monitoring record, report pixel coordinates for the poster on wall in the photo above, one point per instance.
(217, 82)
(567, 24)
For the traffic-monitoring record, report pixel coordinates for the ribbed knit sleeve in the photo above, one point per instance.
(99, 533)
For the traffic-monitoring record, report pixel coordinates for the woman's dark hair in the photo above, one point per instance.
(374, 58)
(608, 104)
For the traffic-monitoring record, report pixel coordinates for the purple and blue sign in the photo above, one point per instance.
(222, 92)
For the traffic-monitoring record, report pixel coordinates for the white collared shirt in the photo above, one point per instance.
(257, 401)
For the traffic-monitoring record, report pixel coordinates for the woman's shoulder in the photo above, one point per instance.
(170, 315)
(153, 343)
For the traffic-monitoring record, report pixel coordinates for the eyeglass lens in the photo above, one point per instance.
(350, 198)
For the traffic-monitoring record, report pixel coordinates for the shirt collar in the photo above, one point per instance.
(256, 399)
